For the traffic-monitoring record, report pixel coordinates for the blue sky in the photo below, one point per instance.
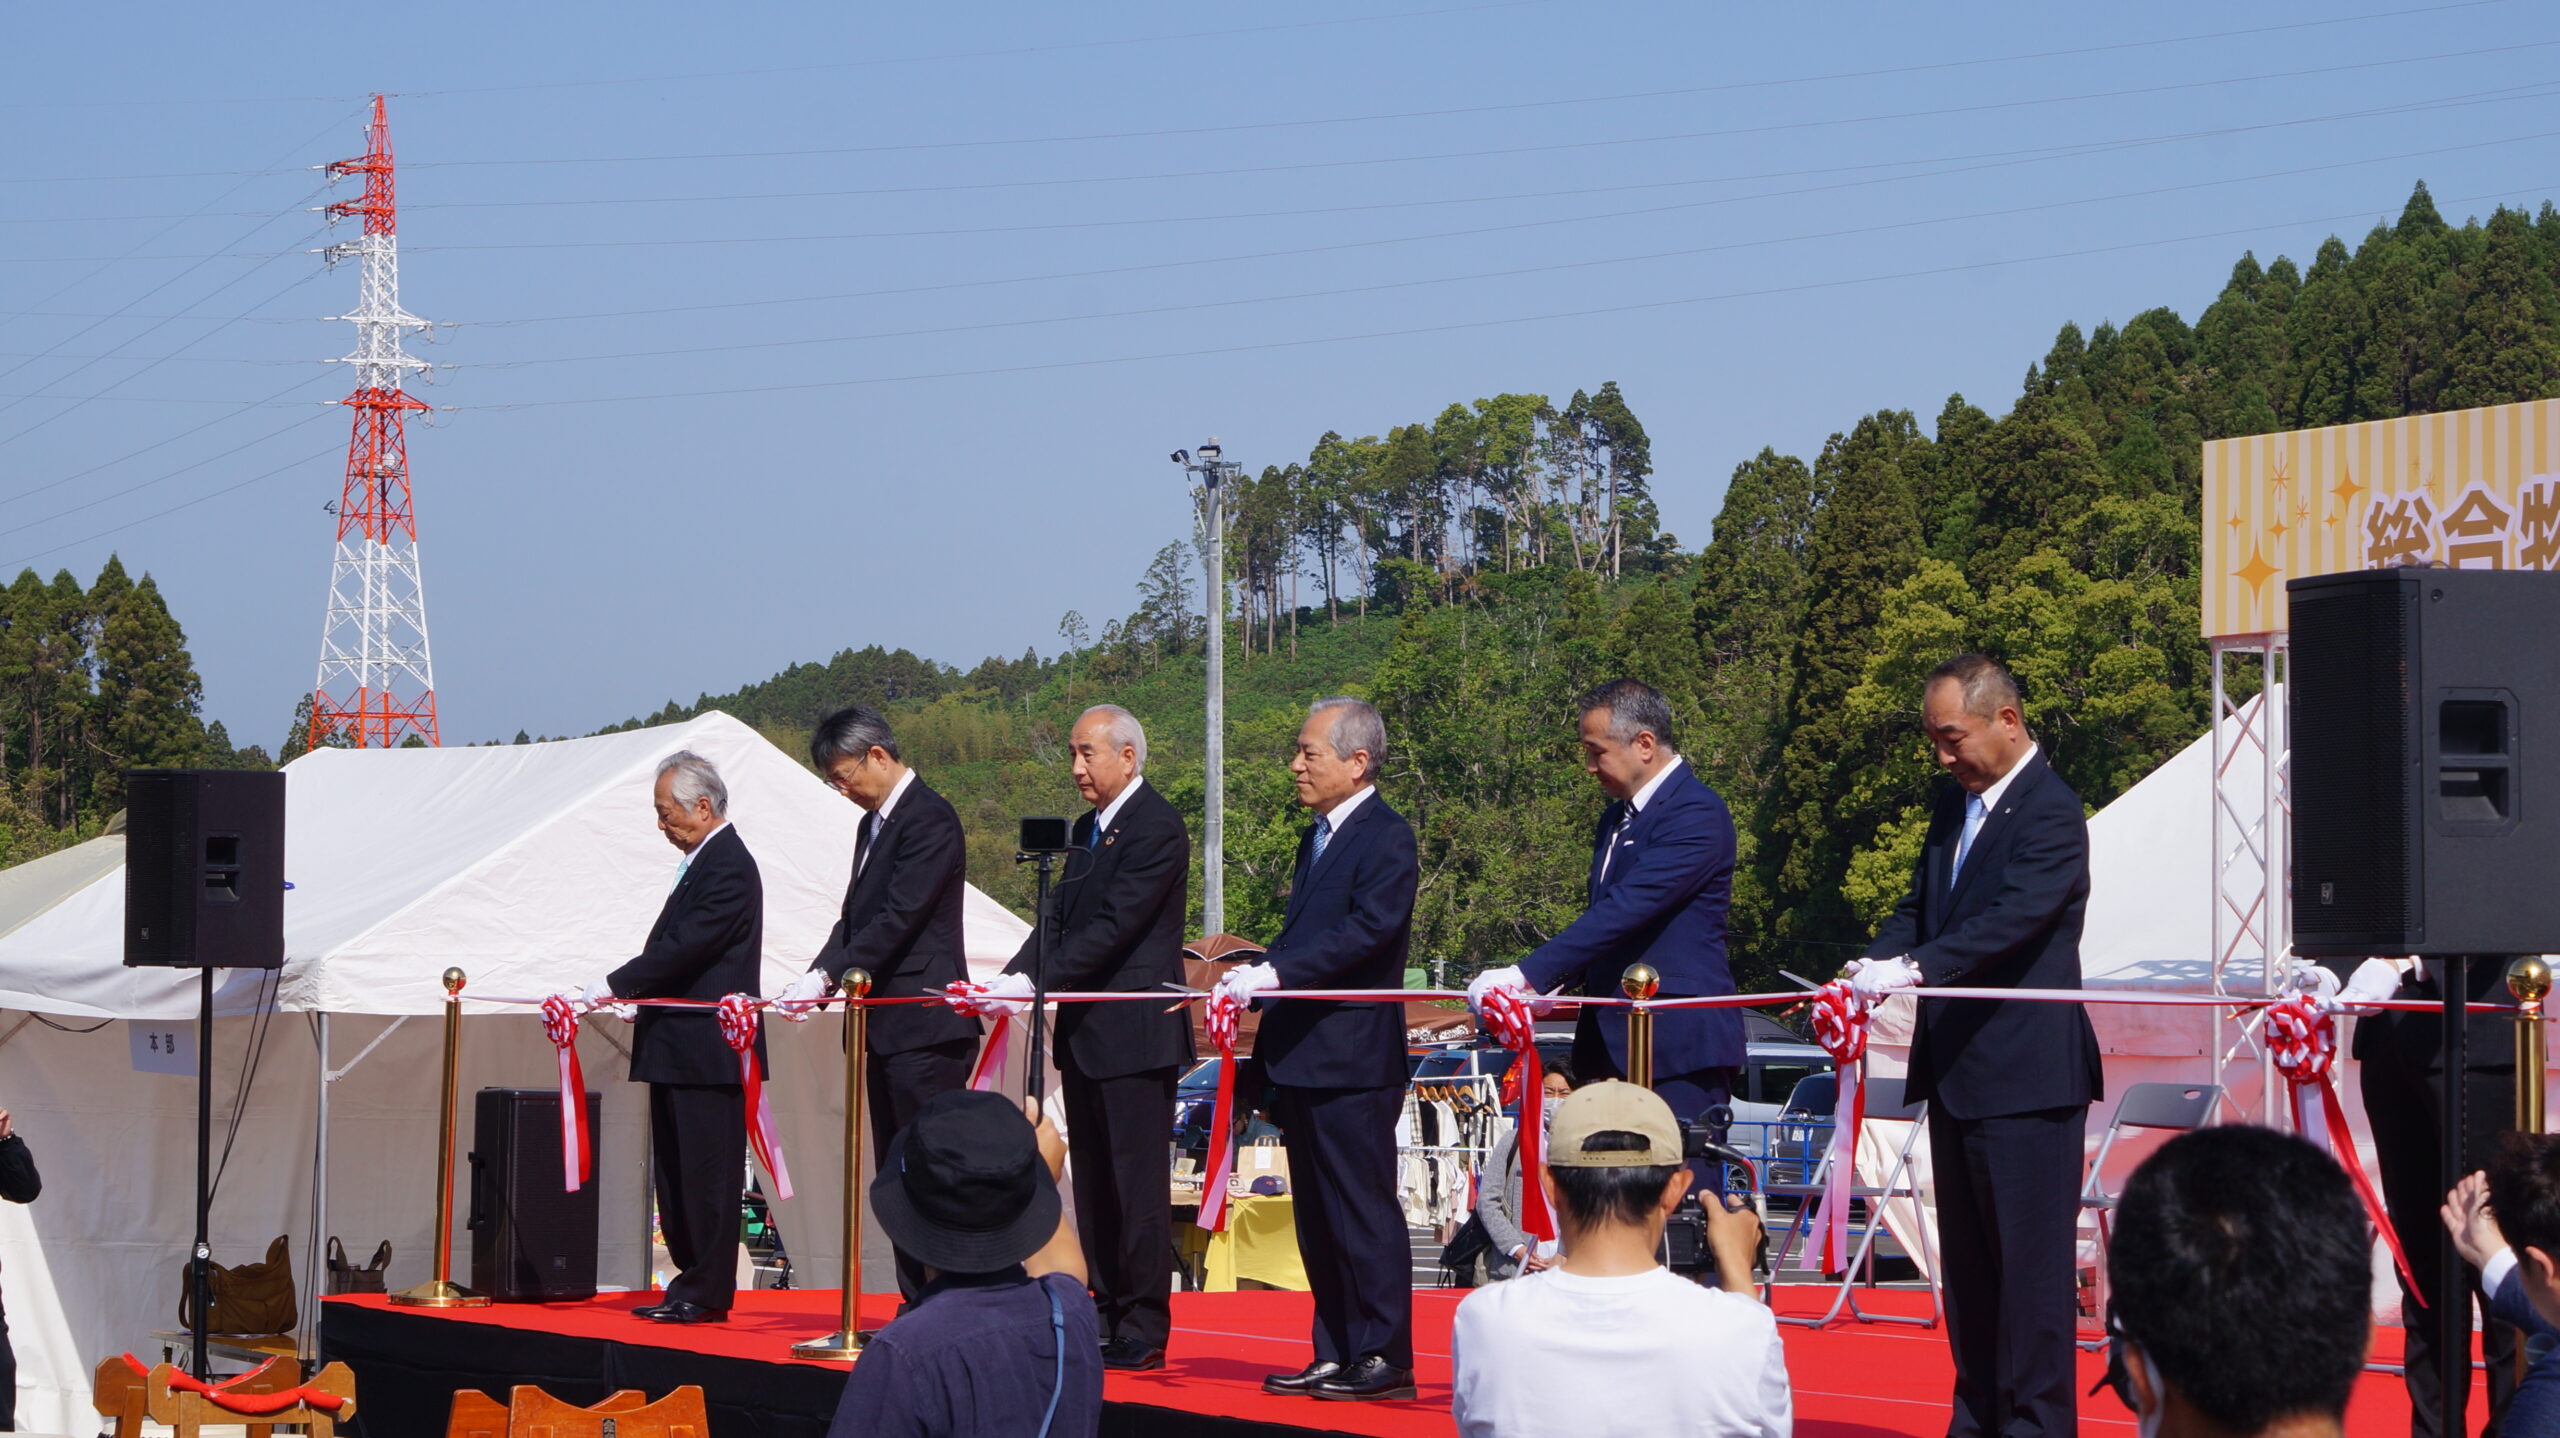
(781, 329)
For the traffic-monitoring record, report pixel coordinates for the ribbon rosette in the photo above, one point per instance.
(1511, 1016)
(739, 1020)
(1840, 1019)
(1221, 1017)
(577, 1147)
(2303, 1041)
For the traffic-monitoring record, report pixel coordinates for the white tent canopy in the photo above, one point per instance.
(534, 868)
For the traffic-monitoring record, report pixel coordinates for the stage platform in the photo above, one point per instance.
(1851, 1381)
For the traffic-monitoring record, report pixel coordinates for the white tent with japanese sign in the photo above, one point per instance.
(534, 868)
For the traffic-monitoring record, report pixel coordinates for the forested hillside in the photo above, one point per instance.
(1473, 571)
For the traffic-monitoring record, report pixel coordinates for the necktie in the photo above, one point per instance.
(1324, 835)
(1617, 836)
(870, 837)
(1974, 814)
(1093, 841)
(681, 865)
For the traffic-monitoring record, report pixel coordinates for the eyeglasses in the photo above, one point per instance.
(2117, 1376)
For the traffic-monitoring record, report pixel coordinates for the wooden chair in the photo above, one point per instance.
(532, 1413)
(123, 1392)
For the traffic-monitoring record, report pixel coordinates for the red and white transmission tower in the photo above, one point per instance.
(376, 686)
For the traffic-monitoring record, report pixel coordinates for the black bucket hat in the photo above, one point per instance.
(963, 1188)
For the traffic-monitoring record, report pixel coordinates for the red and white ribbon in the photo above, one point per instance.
(1507, 1012)
(738, 1023)
(1221, 1017)
(1840, 1019)
(2303, 1041)
(577, 1147)
(991, 1055)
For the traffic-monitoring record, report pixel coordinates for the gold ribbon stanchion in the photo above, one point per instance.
(1640, 982)
(845, 1344)
(2529, 978)
(441, 1291)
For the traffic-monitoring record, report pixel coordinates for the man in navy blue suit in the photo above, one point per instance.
(1996, 902)
(1661, 877)
(1336, 1068)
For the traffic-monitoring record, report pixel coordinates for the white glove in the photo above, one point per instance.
(1491, 979)
(2313, 979)
(600, 995)
(1876, 978)
(799, 997)
(1009, 994)
(2373, 981)
(1246, 980)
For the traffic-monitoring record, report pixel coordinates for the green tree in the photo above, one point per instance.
(144, 710)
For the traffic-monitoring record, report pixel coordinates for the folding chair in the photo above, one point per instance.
(2163, 1107)
(1886, 1101)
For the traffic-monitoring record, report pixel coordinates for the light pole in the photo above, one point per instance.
(1214, 470)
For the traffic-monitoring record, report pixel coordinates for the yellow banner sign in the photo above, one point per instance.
(2472, 488)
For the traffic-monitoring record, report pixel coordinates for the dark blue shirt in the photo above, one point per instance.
(978, 1355)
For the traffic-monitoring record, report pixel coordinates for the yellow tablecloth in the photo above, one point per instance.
(1260, 1243)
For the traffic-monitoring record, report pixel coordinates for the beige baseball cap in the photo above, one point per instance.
(1613, 1106)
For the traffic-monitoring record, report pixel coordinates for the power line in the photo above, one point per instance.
(244, 408)
(157, 480)
(1513, 273)
(1455, 326)
(291, 464)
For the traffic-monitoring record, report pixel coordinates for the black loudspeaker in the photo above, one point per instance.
(203, 869)
(2425, 714)
(531, 1240)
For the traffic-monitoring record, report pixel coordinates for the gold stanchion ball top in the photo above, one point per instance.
(855, 984)
(1640, 981)
(2529, 978)
(453, 981)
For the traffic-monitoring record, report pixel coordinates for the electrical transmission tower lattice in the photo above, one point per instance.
(376, 687)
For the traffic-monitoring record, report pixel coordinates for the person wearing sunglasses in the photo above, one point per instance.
(2239, 1273)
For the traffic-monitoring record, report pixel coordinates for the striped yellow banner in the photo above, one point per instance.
(2472, 488)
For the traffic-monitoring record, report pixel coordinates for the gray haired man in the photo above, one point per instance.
(708, 943)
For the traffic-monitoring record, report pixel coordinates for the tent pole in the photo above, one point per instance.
(316, 1281)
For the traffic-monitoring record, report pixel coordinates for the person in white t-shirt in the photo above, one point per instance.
(1674, 1360)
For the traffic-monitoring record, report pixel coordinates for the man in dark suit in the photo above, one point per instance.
(1115, 925)
(2400, 1062)
(1996, 902)
(1661, 876)
(1336, 1068)
(900, 924)
(708, 943)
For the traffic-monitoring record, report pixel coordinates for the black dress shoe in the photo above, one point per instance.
(1302, 1381)
(1130, 1354)
(649, 1310)
(680, 1311)
(1371, 1380)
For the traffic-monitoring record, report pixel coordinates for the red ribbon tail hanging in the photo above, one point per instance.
(991, 1055)
(1536, 1219)
(1848, 1116)
(2342, 1147)
(1222, 1144)
(761, 1131)
(577, 1157)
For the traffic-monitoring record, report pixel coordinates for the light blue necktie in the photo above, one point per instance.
(1974, 814)
(1324, 835)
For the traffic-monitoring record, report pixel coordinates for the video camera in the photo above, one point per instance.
(1722, 1169)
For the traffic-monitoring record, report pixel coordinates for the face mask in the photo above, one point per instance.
(1547, 1112)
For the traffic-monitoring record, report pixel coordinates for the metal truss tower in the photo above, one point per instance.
(376, 687)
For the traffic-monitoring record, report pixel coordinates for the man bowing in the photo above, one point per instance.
(708, 943)
(1996, 902)
(900, 924)
(1115, 926)
(1661, 877)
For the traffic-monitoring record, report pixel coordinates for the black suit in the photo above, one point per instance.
(1337, 1076)
(2400, 1065)
(18, 1184)
(2009, 1087)
(1115, 926)
(901, 925)
(708, 943)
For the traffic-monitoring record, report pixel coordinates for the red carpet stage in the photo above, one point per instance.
(1852, 1381)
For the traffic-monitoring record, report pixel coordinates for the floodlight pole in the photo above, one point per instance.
(1214, 470)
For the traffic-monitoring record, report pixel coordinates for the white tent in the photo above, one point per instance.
(533, 868)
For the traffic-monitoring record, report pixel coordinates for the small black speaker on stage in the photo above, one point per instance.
(531, 1240)
(2424, 712)
(204, 869)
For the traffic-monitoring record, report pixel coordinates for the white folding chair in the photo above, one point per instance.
(1886, 1100)
(2163, 1108)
